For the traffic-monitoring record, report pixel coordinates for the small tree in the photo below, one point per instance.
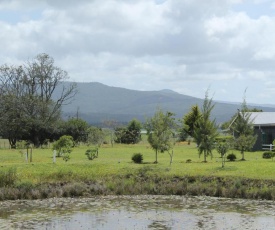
(96, 136)
(111, 125)
(205, 131)
(130, 134)
(64, 146)
(243, 131)
(189, 120)
(160, 131)
(222, 148)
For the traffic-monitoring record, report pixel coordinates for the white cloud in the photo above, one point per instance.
(183, 45)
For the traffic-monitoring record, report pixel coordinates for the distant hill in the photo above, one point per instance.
(96, 102)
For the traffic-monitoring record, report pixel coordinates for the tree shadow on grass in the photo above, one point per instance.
(227, 168)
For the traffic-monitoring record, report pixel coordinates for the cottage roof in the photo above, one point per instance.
(263, 118)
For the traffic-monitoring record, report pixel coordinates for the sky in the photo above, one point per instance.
(189, 46)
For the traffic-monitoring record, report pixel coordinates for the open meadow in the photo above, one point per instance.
(113, 172)
(116, 160)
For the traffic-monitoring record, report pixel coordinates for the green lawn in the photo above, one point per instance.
(116, 160)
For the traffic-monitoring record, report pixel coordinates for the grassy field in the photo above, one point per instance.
(116, 160)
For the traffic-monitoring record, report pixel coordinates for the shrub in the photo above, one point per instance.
(8, 177)
(231, 157)
(22, 144)
(137, 158)
(267, 155)
(92, 153)
(64, 146)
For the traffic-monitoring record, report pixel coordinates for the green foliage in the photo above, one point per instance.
(244, 143)
(96, 136)
(130, 134)
(160, 131)
(223, 139)
(77, 128)
(30, 108)
(92, 153)
(137, 158)
(244, 131)
(22, 144)
(222, 148)
(205, 131)
(8, 177)
(231, 157)
(189, 121)
(64, 146)
(267, 155)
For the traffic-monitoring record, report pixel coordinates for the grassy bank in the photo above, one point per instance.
(114, 173)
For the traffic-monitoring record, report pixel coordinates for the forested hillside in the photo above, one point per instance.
(96, 102)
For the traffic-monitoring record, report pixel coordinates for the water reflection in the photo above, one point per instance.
(138, 212)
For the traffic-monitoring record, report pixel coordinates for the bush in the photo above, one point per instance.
(267, 155)
(8, 177)
(137, 158)
(231, 157)
(64, 146)
(92, 153)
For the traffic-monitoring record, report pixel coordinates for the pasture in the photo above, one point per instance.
(116, 160)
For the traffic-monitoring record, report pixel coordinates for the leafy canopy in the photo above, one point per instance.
(160, 131)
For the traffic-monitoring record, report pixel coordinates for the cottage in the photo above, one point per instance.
(264, 127)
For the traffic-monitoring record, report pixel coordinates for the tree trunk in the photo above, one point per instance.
(156, 156)
(12, 142)
(171, 157)
(223, 161)
(242, 152)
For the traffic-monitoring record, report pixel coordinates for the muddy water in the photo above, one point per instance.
(138, 212)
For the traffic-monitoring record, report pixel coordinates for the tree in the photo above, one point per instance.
(134, 131)
(130, 134)
(189, 121)
(64, 146)
(222, 148)
(243, 130)
(31, 90)
(13, 122)
(205, 131)
(96, 136)
(111, 125)
(77, 128)
(160, 131)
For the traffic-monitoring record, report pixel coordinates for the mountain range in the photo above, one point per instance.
(96, 103)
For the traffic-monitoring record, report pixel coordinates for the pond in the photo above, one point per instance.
(137, 212)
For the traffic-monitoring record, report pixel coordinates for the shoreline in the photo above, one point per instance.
(144, 184)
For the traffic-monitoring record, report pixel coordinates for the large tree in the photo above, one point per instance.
(30, 101)
(160, 130)
(205, 131)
